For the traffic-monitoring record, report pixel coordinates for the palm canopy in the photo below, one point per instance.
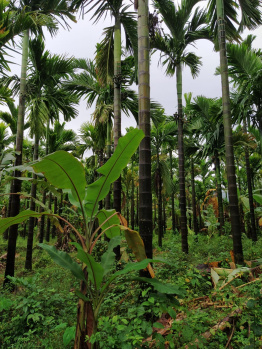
(61, 139)
(16, 17)
(249, 11)
(5, 139)
(245, 70)
(91, 138)
(88, 85)
(117, 8)
(205, 120)
(119, 11)
(184, 30)
(46, 98)
(163, 130)
(10, 118)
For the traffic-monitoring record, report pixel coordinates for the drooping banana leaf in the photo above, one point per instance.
(112, 223)
(64, 260)
(64, 171)
(5, 223)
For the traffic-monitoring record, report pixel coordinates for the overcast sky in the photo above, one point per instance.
(80, 41)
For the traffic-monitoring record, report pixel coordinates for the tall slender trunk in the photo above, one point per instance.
(219, 193)
(230, 164)
(15, 206)
(260, 123)
(200, 219)
(117, 114)
(181, 161)
(195, 225)
(48, 223)
(137, 206)
(31, 224)
(159, 202)
(6, 233)
(164, 215)
(55, 212)
(250, 192)
(132, 210)
(42, 221)
(172, 194)
(154, 218)
(145, 192)
(117, 104)
(108, 155)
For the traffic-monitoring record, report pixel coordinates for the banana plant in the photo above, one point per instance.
(65, 172)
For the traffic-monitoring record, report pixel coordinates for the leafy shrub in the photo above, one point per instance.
(28, 317)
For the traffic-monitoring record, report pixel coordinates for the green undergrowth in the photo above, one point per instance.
(41, 313)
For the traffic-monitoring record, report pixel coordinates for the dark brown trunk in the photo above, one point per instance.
(219, 194)
(250, 191)
(172, 194)
(55, 212)
(181, 163)
(145, 192)
(42, 222)
(159, 203)
(48, 223)
(31, 224)
(230, 163)
(195, 225)
(132, 210)
(15, 203)
(5, 236)
(164, 215)
(137, 206)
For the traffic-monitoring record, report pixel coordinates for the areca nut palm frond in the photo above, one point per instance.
(88, 85)
(61, 139)
(46, 13)
(184, 30)
(207, 122)
(45, 83)
(129, 23)
(245, 70)
(5, 139)
(249, 12)
(91, 137)
(118, 9)
(17, 17)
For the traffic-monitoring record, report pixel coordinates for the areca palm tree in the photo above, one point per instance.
(161, 133)
(89, 84)
(245, 70)
(62, 139)
(93, 138)
(222, 16)
(205, 120)
(119, 11)
(46, 101)
(186, 26)
(50, 10)
(17, 20)
(145, 191)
